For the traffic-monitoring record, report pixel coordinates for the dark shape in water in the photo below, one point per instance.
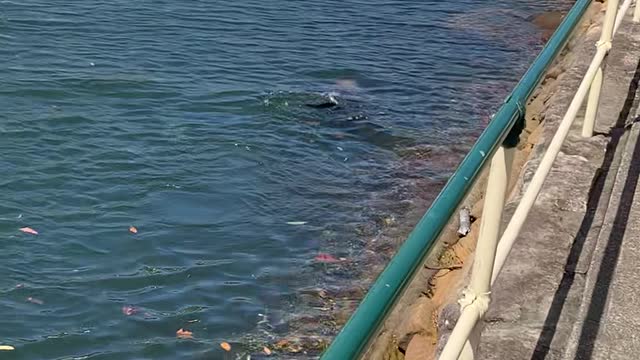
(329, 102)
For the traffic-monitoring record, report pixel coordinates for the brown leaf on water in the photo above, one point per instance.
(225, 346)
(184, 334)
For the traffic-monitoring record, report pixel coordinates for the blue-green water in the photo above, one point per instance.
(187, 120)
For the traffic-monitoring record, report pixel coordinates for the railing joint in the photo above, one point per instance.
(606, 44)
(479, 300)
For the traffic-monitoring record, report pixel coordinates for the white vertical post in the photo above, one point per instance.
(594, 95)
(477, 294)
(592, 105)
(622, 11)
(636, 12)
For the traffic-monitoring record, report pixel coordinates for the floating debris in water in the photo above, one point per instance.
(264, 319)
(225, 346)
(129, 310)
(296, 222)
(326, 258)
(133, 229)
(6, 348)
(28, 230)
(288, 346)
(266, 351)
(184, 334)
(339, 148)
(35, 300)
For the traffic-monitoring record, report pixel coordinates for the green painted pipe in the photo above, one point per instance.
(365, 322)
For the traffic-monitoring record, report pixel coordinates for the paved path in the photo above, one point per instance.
(608, 325)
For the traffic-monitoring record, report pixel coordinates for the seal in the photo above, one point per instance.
(329, 102)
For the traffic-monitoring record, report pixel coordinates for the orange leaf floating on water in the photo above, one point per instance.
(28, 230)
(133, 229)
(184, 334)
(266, 351)
(225, 346)
(326, 258)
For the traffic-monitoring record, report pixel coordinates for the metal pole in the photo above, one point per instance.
(608, 27)
(609, 22)
(592, 105)
(621, 13)
(475, 300)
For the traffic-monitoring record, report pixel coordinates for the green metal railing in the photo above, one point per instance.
(505, 127)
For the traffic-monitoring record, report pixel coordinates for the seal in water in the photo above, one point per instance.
(329, 102)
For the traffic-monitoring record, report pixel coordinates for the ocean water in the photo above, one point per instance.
(189, 121)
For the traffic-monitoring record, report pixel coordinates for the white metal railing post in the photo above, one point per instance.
(592, 104)
(475, 299)
(626, 4)
(596, 86)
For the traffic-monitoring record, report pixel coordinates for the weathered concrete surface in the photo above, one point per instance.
(537, 298)
(608, 324)
(617, 279)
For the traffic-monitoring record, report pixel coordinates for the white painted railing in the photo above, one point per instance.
(492, 250)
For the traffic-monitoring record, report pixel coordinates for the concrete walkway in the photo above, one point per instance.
(608, 325)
